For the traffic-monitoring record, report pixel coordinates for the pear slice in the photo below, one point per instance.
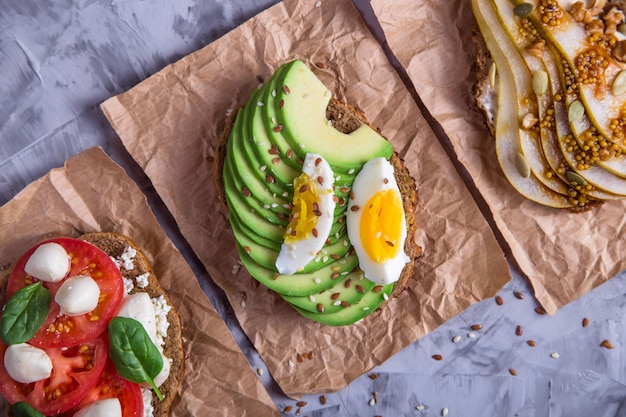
(508, 140)
(571, 39)
(527, 71)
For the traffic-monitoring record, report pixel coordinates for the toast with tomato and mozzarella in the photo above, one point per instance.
(88, 331)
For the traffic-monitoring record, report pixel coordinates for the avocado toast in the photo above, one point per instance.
(289, 124)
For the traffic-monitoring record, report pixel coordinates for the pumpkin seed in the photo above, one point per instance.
(575, 111)
(523, 9)
(540, 82)
(521, 163)
(492, 75)
(619, 84)
(574, 177)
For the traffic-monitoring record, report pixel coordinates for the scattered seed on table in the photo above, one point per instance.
(471, 335)
(373, 376)
(437, 357)
(499, 300)
(323, 400)
(476, 327)
(420, 407)
(287, 409)
(518, 295)
(444, 412)
(585, 322)
(301, 403)
(259, 371)
(531, 343)
(518, 330)
(606, 344)
(555, 355)
(512, 371)
(456, 339)
(540, 310)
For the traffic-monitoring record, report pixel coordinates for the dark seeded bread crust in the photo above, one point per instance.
(481, 88)
(347, 118)
(114, 244)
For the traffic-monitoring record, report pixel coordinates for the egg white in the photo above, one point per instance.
(376, 175)
(293, 257)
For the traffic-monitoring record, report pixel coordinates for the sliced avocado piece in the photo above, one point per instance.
(355, 312)
(252, 234)
(302, 118)
(244, 159)
(349, 289)
(300, 284)
(265, 149)
(236, 203)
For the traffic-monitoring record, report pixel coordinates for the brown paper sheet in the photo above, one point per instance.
(564, 255)
(92, 193)
(170, 124)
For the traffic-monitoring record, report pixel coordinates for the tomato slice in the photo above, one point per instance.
(76, 371)
(112, 385)
(60, 330)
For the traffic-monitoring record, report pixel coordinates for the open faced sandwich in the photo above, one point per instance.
(321, 207)
(87, 331)
(552, 83)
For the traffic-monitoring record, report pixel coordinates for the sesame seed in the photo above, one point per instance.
(471, 335)
(318, 3)
(259, 103)
(456, 339)
(351, 171)
(555, 355)
(385, 297)
(259, 371)
(274, 205)
(274, 93)
(263, 167)
(444, 412)
(420, 407)
(317, 280)
(312, 298)
(266, 206)
(365, 308)
(291, 364)
(371, 402)
(337, 303)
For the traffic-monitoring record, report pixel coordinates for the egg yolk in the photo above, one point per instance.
(381, 225)
(305, 211)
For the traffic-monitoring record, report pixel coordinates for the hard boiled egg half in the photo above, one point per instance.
(311, 216)
(376, 223)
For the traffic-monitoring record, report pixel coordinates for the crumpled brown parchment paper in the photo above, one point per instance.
(92, 193)
(170, 124)
(564, 254)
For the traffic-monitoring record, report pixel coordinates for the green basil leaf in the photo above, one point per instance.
(23, 409)
(25, 313)
(135, 356)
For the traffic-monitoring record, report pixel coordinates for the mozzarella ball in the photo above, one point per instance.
(78, 295)
(110, 407)
(25, 363)
(139, 306)
(49, 262)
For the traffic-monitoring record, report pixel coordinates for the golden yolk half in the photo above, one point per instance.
(305, 211)
(381, 225)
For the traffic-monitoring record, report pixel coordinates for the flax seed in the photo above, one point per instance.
(476, 327)
(323, 400)
(360, 289)
(518, 330)
(373, 376)
(499, 300)
(540, 310)
(300, 403)
(518, 295)
(512, 371)
(245, 192)
(377, 288)
(607, 344)
(286, 90)
(531, 343)
(585, 322)
(437, 357)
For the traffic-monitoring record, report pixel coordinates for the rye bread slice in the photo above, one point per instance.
(114, 244)
(347, 118)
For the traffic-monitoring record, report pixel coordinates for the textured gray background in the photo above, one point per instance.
(60, 59)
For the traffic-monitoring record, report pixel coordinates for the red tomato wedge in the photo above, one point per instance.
(76, 371)
(60, 330)
(112, 385)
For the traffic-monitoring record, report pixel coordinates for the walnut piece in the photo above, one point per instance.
(537, 48)
(619, 52)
